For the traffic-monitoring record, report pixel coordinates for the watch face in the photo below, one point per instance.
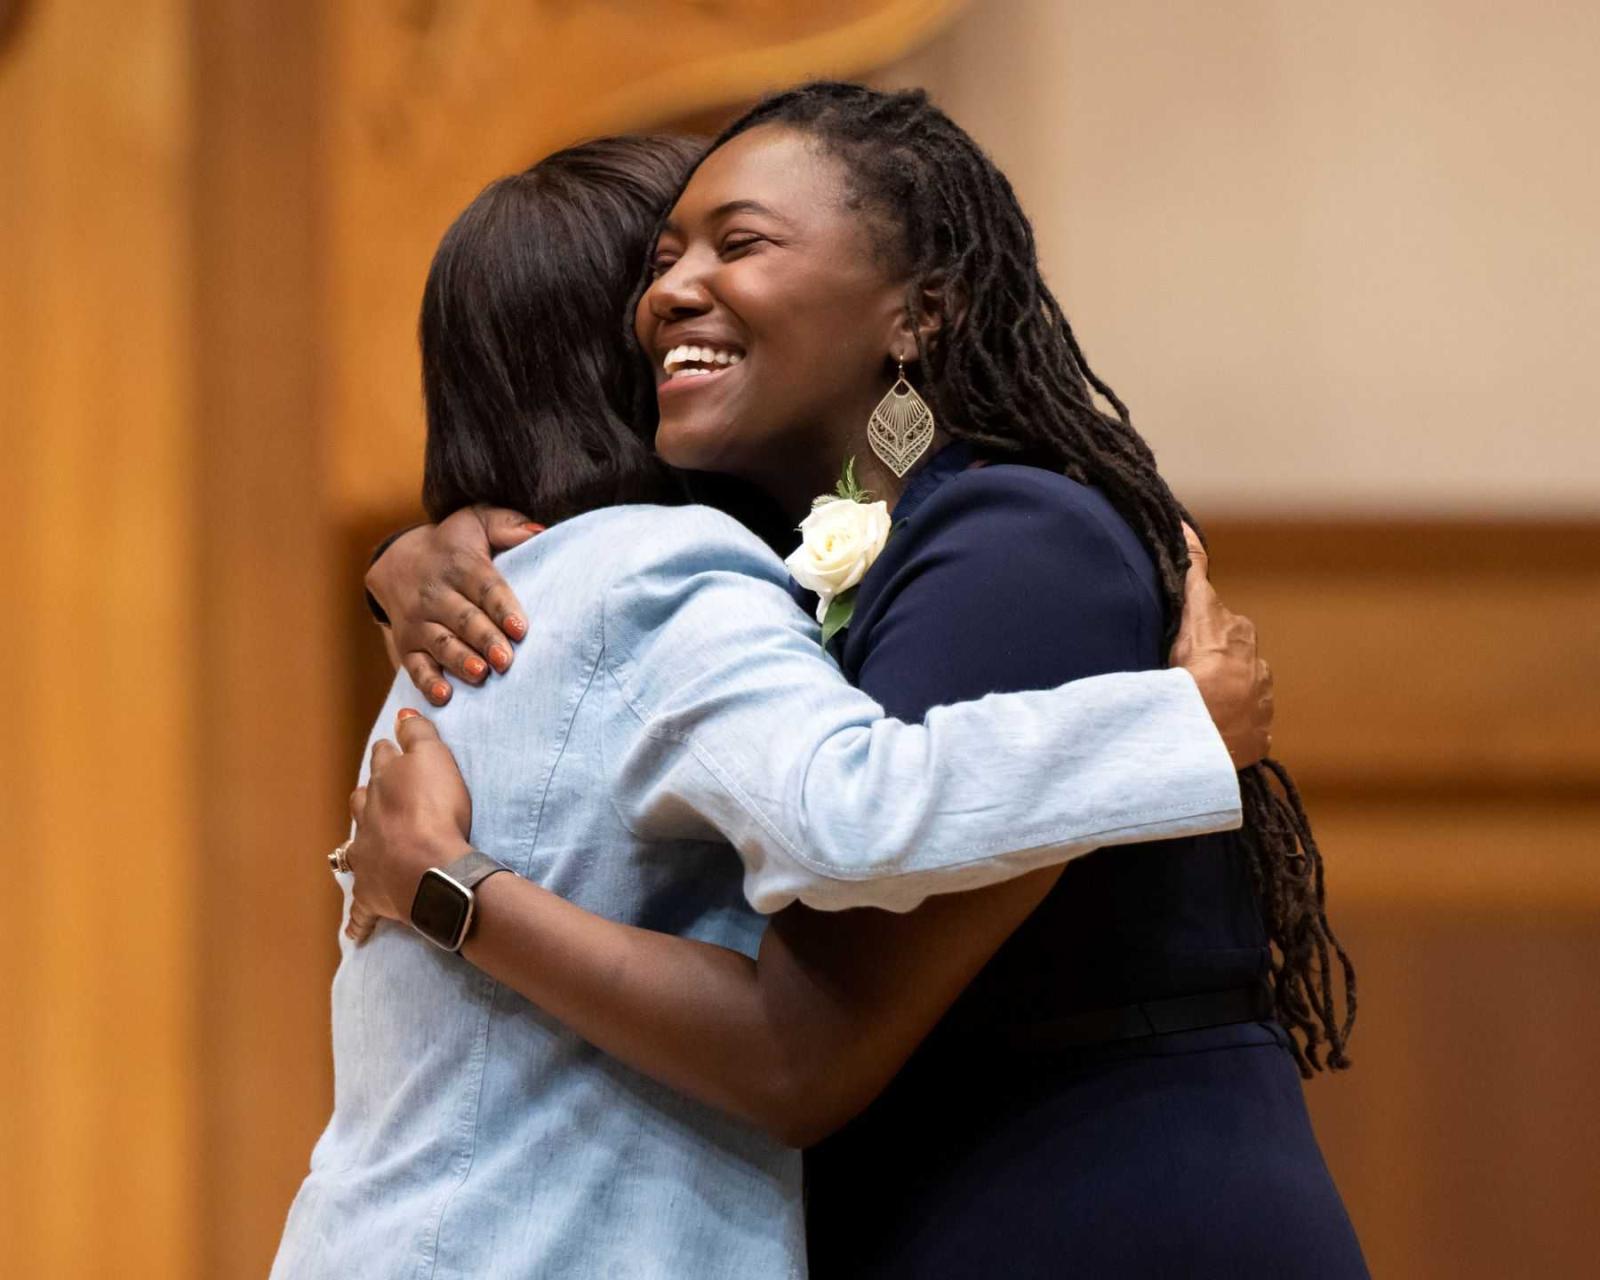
(441, 909)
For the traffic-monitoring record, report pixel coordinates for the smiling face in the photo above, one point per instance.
(774, 319)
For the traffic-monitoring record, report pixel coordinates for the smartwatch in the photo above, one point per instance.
(443, 908)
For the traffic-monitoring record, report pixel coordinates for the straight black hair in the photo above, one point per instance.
(531, 384)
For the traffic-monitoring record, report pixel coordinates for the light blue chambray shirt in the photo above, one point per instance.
(671, 700)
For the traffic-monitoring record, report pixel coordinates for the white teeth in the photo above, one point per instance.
(675, 360)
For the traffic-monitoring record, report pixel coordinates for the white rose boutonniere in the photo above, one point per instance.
(841, 538)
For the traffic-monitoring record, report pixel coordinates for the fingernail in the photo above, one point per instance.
(475, 666)
(500, 656)
(408, 713)
(440, 692)
(531, 527)
(516, 626)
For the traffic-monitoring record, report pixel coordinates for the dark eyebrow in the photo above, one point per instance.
(746, 206)
(728, 209)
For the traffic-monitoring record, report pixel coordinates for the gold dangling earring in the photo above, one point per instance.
(901, 427)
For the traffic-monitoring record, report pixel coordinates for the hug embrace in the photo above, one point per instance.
(923, 907)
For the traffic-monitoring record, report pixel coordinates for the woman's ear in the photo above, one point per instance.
(933, 311)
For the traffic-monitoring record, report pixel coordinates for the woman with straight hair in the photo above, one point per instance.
(674, 701)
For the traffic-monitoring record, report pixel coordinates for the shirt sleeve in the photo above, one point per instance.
(732, 722)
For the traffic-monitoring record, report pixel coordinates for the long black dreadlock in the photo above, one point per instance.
(1006, 373)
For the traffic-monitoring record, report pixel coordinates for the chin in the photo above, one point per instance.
(694, 446)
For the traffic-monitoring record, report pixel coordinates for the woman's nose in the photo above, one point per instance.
(677, 292)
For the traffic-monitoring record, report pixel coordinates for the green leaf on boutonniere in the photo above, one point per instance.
(849, 489)
(837, 618)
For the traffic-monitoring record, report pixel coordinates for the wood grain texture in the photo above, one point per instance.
(1440, 707)
(1427, 656)
(272, 784)
(1463, 1137)
(99, 818)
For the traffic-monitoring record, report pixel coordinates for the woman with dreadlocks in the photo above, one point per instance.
(1105, 1078)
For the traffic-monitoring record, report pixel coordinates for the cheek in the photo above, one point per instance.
(814, 352)
(644, 322)
(815, 336)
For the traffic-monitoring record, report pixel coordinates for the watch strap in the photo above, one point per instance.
(472, 868)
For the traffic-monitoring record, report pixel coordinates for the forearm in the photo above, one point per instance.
(888, 814)
(697, 1017)
(798, 1040)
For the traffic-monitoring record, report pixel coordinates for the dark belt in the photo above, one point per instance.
(1147, 1018)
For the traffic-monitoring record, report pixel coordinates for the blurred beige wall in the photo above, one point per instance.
(1344, 257)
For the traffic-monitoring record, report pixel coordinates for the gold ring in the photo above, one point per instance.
(337, 860)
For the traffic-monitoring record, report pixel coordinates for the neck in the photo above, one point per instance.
(806, 484)
(881, 482)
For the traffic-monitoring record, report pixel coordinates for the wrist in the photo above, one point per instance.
(406, 862)
(437, 853)
(444, 908)
(377, 581)
(1203, 673)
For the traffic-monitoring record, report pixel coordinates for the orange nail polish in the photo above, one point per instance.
(408, 713)
(531, 527)
(440, 692)
(476, 668)
(516, 627)
(500, 657)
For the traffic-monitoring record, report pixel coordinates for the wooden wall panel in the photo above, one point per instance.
(1463, 1136)
(1461, 852)
(1444, 655)
(167, 786)
(272, 783)
(1439, 705)
(98, 813)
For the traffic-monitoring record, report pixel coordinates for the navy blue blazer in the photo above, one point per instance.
(1186, 1154)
